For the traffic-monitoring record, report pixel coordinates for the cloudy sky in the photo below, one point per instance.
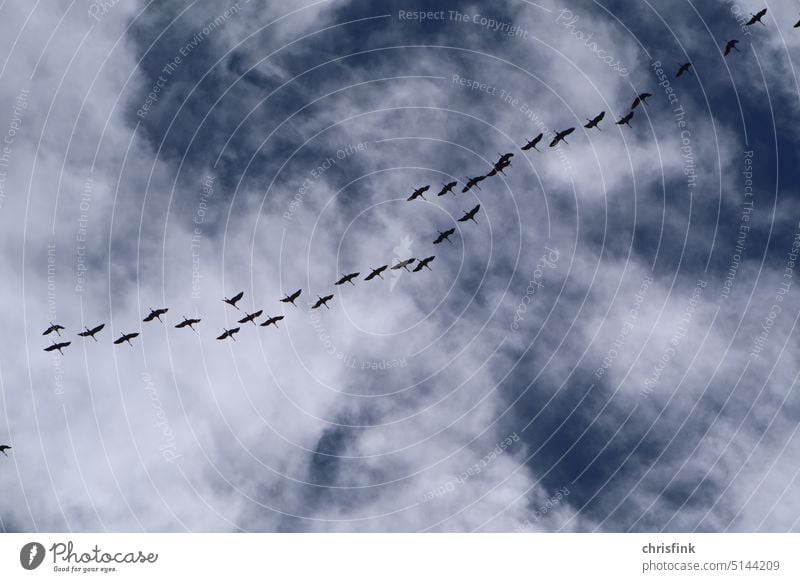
(612, 347)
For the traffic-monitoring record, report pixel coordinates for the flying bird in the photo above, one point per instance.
(626, 120)
(444, 236)
(533, 142)
(731, 46)
(505, 158)
(189, 322)
(470, 215)
(418, 193)
(91, 332)
(376, 272)
(797, 24)
(4, 448)
(249, 317)
(272, 321)
(126, 337)
(640, 98)
(595, 120)
(447, 188)
(57, 346)
(423, 264)
(347, 279)
(403, 264)
(54, 327)
(292, 297)
(473, 182)
(498, 167)
(684, 68)
(757, 18)
(561, 136)
(234, 300)
(322, 301)
(228, 333)
(155, 314)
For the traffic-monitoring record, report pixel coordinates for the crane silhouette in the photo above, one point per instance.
(640, 98)
(501, 165)
(249, 317)
(756, 18)
(376, 273)
(418, 193)
(447, 188)
(347, 279)
(470, 215)
(505, 158)
(626, 120)
(155, 314)
(126, 337)
(797, 24)
(472, 182)
(91, 332)
(187, 322)
(54, 327)
(292, 297)
(731, 46)
(272, 321)
(228, 333)
(595, 120)
(684, 68)
(423, 264)
(234, 300)
(444, 236)
(4, 448)
(561, 136)
(57, 346)
(532, 143)
(403, 264)
(322, 301)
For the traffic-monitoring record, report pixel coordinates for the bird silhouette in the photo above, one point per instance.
(470, 215)
(533, 142)
(57, 346)
(756, 18)
(91, 332)
(561, 136)
(228, 333)
(155, 314)
(292, 297)
(640, 98)
(418, 193)
(54, 327)
(234, 300)
(403, 264)
(797, 24)
(347, 279)
(126, 337)
(189, 322)
(249, 317)
(447, 188)
(4, 448)
(473, 182)
(272, 321)
(444, 236)
(626, 120)
(595, 120)
(322, 301)
(423, 264)
(505, 158)
(499, 167)
(376, 273)
(684, 68)
(731, 46)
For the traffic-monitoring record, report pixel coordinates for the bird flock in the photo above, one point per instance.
(469, 215)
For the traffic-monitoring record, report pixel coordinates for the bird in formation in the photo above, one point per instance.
(376, 273)
(731, 46)
(561, 136)
(684, 68)
(292, 297)
(423, 264)
(595, 120)
(57, 346)
(470, 215)
(347, 279)
(418, 193)
(234, 300)
(91, 332)
(250, 317)
(126, 337)
(155, 314)
(472, 182)
(228, 333)
(626, 119)
(322, 301)
(640, 98)
(756, 18)
(532, 143)
(272, 321)
(444, 236)
(447, 188)
(187, 322)
(403, 264)
(54, 327)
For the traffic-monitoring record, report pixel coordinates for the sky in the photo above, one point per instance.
(610, 347)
